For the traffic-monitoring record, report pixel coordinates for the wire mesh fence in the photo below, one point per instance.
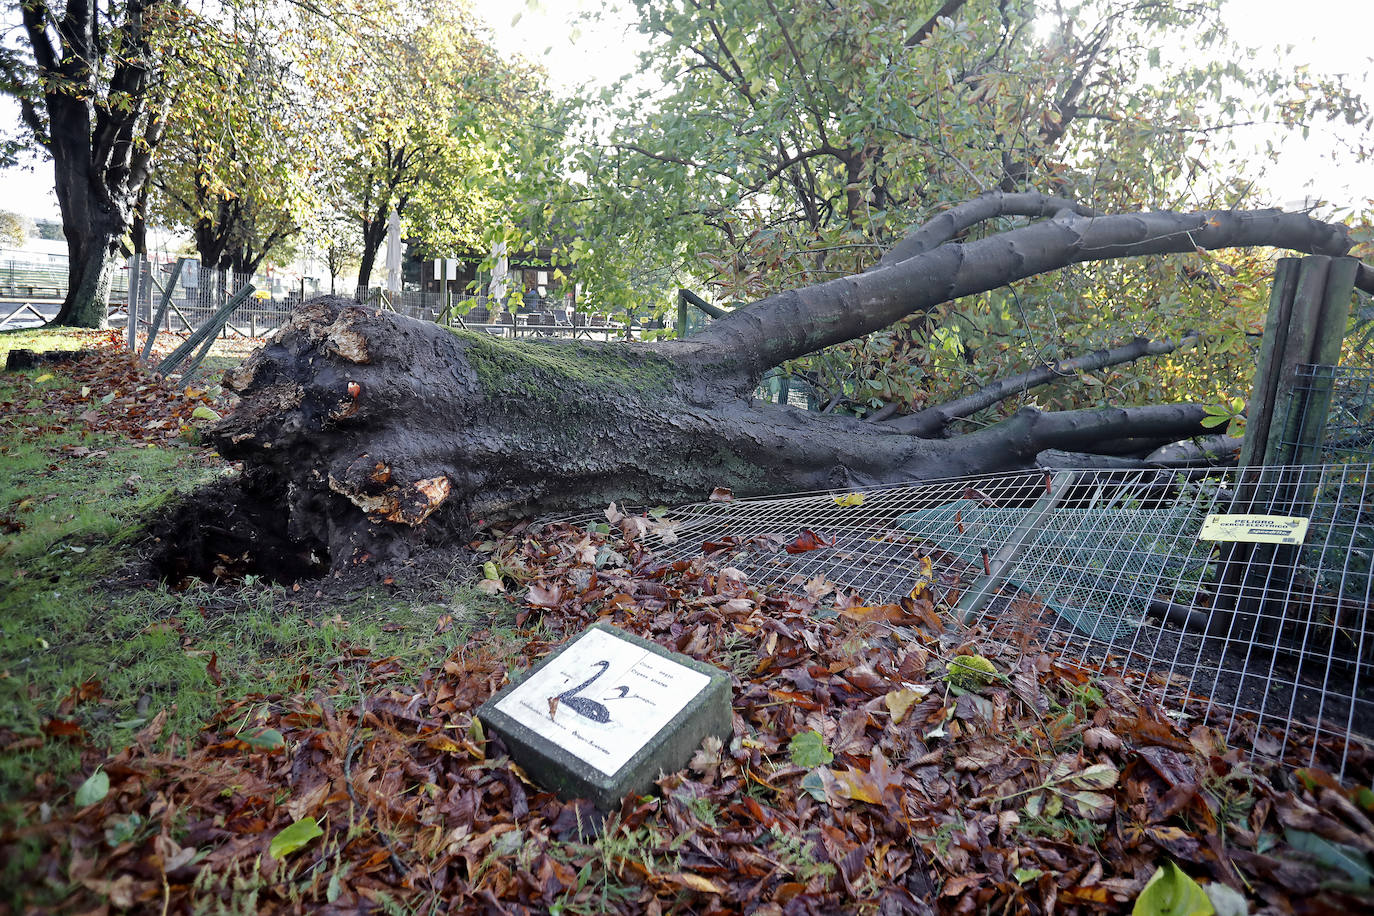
(1269, 639)
(1336, 409)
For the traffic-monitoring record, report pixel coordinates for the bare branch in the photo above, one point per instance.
(990, 205)
(933, 420)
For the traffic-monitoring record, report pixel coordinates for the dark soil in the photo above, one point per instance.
(226, 531)
(233, 528)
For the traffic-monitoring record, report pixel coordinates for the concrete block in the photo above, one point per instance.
(608, 713)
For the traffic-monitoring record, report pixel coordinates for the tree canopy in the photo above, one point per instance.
(240, 161)
(789, 146)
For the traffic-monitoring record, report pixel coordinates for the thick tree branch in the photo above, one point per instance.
(1018, 439)
(949, 8)
(990, 205)
(933, 420)
(802, 321)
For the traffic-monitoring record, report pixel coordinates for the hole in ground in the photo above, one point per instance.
(226, 531)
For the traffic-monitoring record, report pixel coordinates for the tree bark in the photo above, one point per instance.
(371, 434)
(382, 432)
(92, 259)
(100, 129)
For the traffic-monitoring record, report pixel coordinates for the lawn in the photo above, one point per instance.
(91, 647)
(247, 746)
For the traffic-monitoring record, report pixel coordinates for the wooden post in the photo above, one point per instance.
(1326, 351)
(1260, 409)
(1308, 311)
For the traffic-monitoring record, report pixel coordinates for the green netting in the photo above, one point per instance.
(1096, 568)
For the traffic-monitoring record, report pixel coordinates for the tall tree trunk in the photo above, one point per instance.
(374, 231)
(100, 130)
(138, 231)
(94, 228)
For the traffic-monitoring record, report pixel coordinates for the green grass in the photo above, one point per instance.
(43, 340)
(70, 609)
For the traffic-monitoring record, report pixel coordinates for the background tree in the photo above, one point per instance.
(337, 240)
(89, 88)
(240, 159)
(418, 98)
(14, 228)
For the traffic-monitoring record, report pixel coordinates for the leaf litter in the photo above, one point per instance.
(858, 779)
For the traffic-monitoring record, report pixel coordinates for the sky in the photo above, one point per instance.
(1329, 35)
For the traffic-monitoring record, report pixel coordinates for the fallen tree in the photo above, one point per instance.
(369, 433)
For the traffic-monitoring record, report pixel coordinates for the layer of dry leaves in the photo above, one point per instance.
(1020, 796)
(997, 800)
(113, 393)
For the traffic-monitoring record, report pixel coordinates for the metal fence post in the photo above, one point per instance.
(135, 268)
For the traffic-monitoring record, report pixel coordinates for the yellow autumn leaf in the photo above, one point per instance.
(900, 701)
(849, 500)
(921, 589)
(443, 743)
(697, 883)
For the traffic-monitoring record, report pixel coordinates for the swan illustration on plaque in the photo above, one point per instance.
(585, 706)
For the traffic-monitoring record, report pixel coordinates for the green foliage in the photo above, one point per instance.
(808, 749)
(1230, 414)
(14, 229)
(241, 157)
(424, 117)
(1170, 892)
(791, 146)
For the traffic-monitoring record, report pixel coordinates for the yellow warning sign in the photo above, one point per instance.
(1255, 529)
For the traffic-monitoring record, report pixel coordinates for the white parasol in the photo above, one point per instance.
(393, 255)
(499, 271)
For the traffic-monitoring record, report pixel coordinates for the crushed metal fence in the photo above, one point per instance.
(1272, 643)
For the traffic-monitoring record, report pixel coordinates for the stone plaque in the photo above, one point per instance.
(606, 714)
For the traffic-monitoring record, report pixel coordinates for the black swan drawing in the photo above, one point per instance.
(585, 706)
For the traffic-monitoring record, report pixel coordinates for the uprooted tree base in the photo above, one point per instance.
(370, 435)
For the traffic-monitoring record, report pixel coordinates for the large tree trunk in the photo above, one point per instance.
(376, 432)
(92, 259)
(101, 133)
(94, 219)
(380, 430)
